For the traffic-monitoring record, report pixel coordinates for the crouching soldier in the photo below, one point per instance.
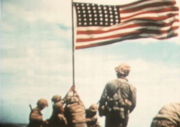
(75, 111)
(91, 116)
(57, 118)
(36, 117)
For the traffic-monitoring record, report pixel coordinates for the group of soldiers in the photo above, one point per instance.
(67, 112)
(117, 101)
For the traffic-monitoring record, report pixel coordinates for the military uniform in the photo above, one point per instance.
(168, 116)
(76, 115)
(91, 118)
(118, 99)
(36, 118)
(75, 112)
(57, 118)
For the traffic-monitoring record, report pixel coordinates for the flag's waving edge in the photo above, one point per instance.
(98, 25)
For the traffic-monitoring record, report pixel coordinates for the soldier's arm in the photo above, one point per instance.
(104, 95)
(62, 118)
(133, 98)
(35, 116)
(92, 119)
(69, 93)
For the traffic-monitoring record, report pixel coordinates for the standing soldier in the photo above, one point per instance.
(168, 116)
(57, 118)
(118, 99)
(36, 117)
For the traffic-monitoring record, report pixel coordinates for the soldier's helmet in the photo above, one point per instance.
(56, 98)
(123, 69)
(42, 103)
(93, 107)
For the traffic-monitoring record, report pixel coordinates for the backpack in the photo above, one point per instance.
(115, 101)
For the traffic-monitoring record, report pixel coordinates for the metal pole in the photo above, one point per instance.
(73, 46)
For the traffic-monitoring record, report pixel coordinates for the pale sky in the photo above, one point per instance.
(36, 61)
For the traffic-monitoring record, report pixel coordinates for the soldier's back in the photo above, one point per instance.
(76, 112)
(119, 86)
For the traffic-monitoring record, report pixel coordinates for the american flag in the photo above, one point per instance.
(99, 25)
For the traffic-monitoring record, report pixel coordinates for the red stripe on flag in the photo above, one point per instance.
(173, 9)
(145, 30)
(135, 36)
(158, 4)
(134, 3)
(88, 32)
(155, 18)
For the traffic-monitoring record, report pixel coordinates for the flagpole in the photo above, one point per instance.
(73, 46)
